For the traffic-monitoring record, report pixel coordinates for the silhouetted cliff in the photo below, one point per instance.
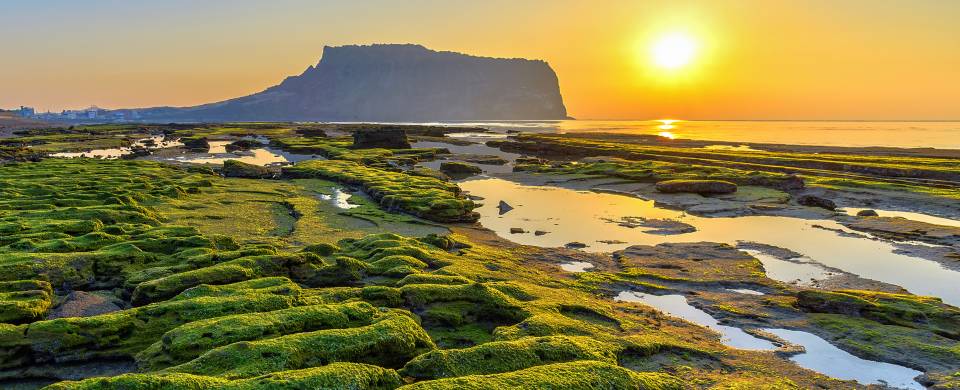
(395, 83)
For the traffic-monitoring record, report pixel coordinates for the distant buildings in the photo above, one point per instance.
(90, 114)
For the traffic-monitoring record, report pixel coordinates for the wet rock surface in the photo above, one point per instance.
(703, 187)
(86, 304)
(459, 169)
(817, 201)
(384, 137)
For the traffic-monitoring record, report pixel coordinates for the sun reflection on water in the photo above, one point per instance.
(665, 125)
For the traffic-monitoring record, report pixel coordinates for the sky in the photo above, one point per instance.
(762, 59)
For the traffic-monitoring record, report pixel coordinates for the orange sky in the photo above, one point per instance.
(757, 59)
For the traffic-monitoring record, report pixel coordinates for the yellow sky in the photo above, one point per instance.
(768, 59)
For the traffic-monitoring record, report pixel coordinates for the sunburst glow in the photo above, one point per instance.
(673, 51)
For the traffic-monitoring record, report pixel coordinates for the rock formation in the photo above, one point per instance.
(394, 83)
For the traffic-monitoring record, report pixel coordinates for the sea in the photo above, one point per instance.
(938, 135)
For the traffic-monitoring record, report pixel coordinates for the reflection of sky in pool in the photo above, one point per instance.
(581, 216)
(819, 355)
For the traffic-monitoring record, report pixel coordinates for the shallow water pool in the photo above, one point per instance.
(584, 216)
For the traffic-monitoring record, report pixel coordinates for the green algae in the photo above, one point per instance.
(389, 342)
(335, 376)
(572, 375)
(928, 313)
(24, 300)
(426, 197)
(504, 356)
(188, 341)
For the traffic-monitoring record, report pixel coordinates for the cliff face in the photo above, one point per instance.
(397, 83)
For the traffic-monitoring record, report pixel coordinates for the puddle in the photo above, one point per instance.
(677, 306)
(746, 291)
(582, 216)
(908, 215)
(801, 272)
(823, 357)
(339, 199)
(474, 149)
(154, 142)
(260, 156)
(819, 355)
(576, 266)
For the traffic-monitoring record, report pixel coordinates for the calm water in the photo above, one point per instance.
(940, 135)
(586, 216)
(819, 355)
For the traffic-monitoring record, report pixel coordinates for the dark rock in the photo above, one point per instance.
(517, 231)
(196, 144)
(234, 168)
(383, 137)
(539, 233)
(310, 132)
(867, 213)
(816, 201)
(697, 186)
(242, 144)
(459, 169)
(86, 304)
(504, 207)
(576, 245)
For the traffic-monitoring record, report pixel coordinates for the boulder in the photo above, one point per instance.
(234, 168)
(576, 245)
(196, 144)
(459, 169)
(816, 201)
(241, 144)
(867, 213)
(384, 137)
(504, 207)
(516, 230)
(697, 186)
(86, 304)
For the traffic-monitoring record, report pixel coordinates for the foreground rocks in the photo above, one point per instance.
(459, 169)
(817, 201)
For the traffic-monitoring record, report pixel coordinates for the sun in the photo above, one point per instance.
(673, 51)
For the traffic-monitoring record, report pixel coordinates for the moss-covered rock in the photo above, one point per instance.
(912, 311)
(188, 341)
(234, 168)
(389, 342)
(459, 169)
(124, 333)
(504, 356)
(580, 375)
(335, 376)
(425, 197)
(24, 300)
(703, 187)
